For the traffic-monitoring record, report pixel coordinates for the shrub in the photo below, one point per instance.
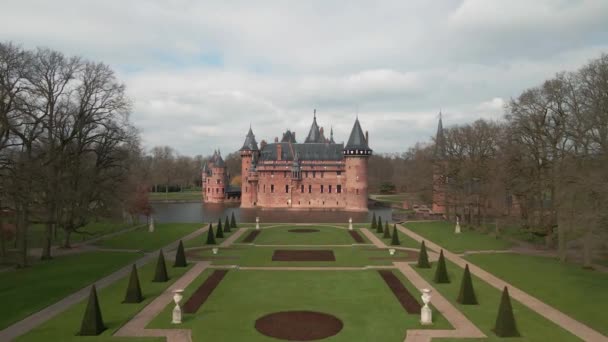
(232, 221)
(379, 226)
(133, 294)
(220, 232)
(92, 322)
(387, 232)
(180, 256)
(423, 257)
(210, 236)
(441, 273)
(374, 225)
(160, 275)
(395, 240)
(226, 225)
(505, 321)
(467, 295)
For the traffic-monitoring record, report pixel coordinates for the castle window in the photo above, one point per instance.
(339, 173)
(309, 189)
(323, 202)
(217, 190)
(285, 174)
(271, 188)
(306, 174)
(272, 173)
(217, 181)
(339, 188)
(314, 174)
(222, 190)
(329, 189)
(321, 188)
(246, 189)
(357, 191)
(302, 188)
(286, 188)
(264, 187)
(321, 174)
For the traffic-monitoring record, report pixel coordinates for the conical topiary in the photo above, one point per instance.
(92, 322)
(226, 225)
(467, 295)
(133, 294)
(160, 275)
(180, 256)
(379, 226)
(395, 238)
(232, 221)
(505, 321)
(220, 232)
(423, 257)
(374, 224)
(441, 273)
(210, 236)
(387, 232)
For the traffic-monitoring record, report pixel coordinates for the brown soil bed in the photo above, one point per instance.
(303, 255)
(299, 325)
(204, 291)
(303, 230)
(252, 235)
(409, 303)
(356, 236)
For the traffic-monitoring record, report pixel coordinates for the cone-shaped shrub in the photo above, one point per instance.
(374, 225)
(180, 256)
(395, 238)
(210, 236)
(441, 273)
(220, 232)
(92, 322)
(387, 231)
(379, 226)
(226, 225)
(505, 321)
(133, 294)
(232, 221)
(467, 295)
(160, 275)
(423, 257)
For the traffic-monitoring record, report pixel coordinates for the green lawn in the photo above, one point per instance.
(64, 326)
(25, 291)
(281, 235)
(361, 299)
(141, 239)
(177, 196)
(442, 233)
(262, 256)
(532, 326)
(577, 292)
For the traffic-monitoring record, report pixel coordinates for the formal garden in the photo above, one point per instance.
(268, 282)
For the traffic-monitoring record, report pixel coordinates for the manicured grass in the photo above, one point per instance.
(532, 326)
(25, 291)
(442, 233)
(64, 326)
(280, 235)
(361, 299)
(577, 292)
(177, 196)
(141, 239)
(262, 256)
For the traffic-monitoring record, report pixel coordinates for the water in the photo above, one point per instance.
(206, 212)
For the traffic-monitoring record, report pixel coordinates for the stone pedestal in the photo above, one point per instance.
(426, 315)
(177, 311)
(151, 225)
(257, 223)
(391, 251)
(457, 229)
(350, 223)
(214, 250)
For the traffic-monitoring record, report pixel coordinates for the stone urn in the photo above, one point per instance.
(457, 229)
(350, 223)
(214, 250)
(151, 225)
(426, 315)
(177, 311)
(391, 251)
(257, 223)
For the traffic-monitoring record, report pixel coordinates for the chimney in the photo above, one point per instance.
(279, 151)
(294, 135)
(367, 138)
(276, 139)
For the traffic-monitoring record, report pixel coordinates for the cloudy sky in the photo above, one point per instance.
(200, 72)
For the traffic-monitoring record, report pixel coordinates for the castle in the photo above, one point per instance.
(316, 174)
(216, 181)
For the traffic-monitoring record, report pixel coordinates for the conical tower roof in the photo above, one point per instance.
(440, 141)
(314, 135)
(357, 138)
(250, 144)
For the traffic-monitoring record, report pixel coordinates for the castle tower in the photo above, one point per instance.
(204, 175)
(356, 154)
(439, 170)
(216, 180)
(249, 176)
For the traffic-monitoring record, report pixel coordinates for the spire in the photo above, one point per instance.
(331, 135)
(357, 141)
(250, 144)
(440, 140)
(314, 136)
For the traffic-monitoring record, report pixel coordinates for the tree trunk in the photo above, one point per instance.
(587, 250)
(22, 227)
(66, 242)
(48, 242)
(2, 235)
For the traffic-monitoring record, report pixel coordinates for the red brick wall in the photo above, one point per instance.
(247, 188)
(356, 183)
(215, 186)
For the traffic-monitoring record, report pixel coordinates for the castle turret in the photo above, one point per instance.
(249, 177)
(356, 154)
(216, 179)
(439, 169)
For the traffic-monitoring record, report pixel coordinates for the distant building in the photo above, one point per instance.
(316, 174)
(216, 181)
